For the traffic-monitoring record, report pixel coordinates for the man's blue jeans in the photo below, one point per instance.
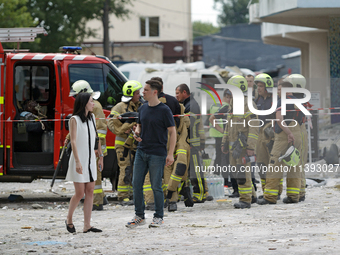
(155, 165)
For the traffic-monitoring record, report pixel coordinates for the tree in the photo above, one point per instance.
(117, 7)
(233, 11)
(65, 20)
(13, 13)
(203, 28)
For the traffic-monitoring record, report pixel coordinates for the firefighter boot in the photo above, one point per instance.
(241, 205)
(188, 201)
(263, 201)
(289, 200)
(96, 207)
(150, 206)
(172, 207)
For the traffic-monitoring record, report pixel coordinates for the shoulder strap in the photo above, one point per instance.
(94, 125)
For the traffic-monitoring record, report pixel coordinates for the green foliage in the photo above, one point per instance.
(65, 20)
(233, 11)
(13, 13)
(203, 28)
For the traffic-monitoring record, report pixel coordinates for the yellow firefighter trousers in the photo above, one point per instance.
(124, 190)
(242, 173)
(263, 156)
(276, 168)
(98, 193)
(304, 156)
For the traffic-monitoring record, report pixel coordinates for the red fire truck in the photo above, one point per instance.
(47, 79)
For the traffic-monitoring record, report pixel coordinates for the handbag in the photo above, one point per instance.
(96, 141)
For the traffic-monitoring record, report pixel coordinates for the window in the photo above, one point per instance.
(149, 26)
(32, 82)
(102, 78)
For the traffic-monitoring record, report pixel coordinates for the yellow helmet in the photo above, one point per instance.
(83, 86)
(267, 80)
(291, 157)
(129, 88)
(239, 81)
(297, 80)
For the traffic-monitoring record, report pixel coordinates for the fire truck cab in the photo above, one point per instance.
(47, 79)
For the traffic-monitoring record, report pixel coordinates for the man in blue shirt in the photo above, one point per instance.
(154, 123)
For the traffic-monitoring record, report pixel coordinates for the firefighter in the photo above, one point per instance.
(299, 81)
(241, 139)
(177, 173)
(84, 86)
(265, 142)
(285, 155)
(196, 140)
(130, 103)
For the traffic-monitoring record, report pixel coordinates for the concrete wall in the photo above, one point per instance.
(132, 52)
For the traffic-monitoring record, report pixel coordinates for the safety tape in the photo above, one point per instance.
(184, 115)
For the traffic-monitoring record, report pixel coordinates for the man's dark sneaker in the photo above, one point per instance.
(253, 200)
(263, 201)
(196, 200)
(172, 207)
(97, 207)
(301, 199)
(235, 194)
(260, 197)
(209, 198)
(126, 201)
(288, 200)
(188, 201)
(105, 201)
(241, 205)
(150, 206)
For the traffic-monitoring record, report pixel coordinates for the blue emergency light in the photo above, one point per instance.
(70, 48)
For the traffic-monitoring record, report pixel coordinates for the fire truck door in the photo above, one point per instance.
(58, 115)
(2, 82)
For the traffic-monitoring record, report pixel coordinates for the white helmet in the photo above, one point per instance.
(83, 86)
(297, 80)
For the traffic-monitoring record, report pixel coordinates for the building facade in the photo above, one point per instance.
(154, 26)
(314, 28)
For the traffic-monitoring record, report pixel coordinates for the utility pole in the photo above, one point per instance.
(106, 42)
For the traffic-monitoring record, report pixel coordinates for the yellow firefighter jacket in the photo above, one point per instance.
(101, 125)
(119, 127)
(239, 123)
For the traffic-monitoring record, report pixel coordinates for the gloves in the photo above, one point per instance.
(202, 144)
(270, 145)
(128, 175)
(239, 145)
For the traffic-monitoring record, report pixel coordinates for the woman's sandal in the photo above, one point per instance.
(69, 229)
(92, 229)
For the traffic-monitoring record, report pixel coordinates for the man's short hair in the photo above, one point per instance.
(286, 84)
(155, 85)
(158, 79)
(183, 87)
(250, 75)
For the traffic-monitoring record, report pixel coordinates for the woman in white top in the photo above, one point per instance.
(82, 168)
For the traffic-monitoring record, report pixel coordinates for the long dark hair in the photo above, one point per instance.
(79, 106)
